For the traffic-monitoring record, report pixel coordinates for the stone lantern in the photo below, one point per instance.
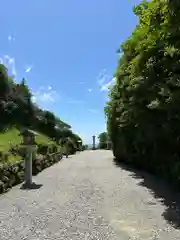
(28, 137)
(30, 145)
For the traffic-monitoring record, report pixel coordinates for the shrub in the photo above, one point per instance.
(42, 149)
(53, 148)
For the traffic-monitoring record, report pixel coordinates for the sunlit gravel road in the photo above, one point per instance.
(88, 196)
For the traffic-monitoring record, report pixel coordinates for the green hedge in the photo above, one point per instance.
(13, 174)
(143, 112)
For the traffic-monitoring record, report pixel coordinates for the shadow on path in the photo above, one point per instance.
(32, 186)
(160, 190)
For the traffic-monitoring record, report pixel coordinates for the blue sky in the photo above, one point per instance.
(66, 50)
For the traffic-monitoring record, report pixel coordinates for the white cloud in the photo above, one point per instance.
(89, 90)
(45, 95)
(9, 62)
(28, 69)
(102, 77)
(106, 86)
(11, 38)
(105, 81)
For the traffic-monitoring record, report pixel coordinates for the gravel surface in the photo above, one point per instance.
(88, 196)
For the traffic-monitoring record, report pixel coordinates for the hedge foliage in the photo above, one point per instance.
(143, 111)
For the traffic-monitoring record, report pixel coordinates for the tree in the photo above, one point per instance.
(103, 138)
(4, 82)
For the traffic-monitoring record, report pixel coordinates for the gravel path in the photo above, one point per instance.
(88, 197)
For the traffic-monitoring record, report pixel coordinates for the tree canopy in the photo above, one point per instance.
(103, 137)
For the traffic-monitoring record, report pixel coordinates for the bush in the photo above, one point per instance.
(53, 148)
(4, 157)
(42, 149)
(18, 150)
(84, 147)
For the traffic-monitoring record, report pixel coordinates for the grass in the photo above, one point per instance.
(13, 158)
(12, 137)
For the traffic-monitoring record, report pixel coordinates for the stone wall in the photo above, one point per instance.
(13, 174)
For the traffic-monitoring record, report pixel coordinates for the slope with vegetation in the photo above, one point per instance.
(17, 111)
(143, 110)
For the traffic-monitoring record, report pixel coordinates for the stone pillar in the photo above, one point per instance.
(94, 142)
(28, 166)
